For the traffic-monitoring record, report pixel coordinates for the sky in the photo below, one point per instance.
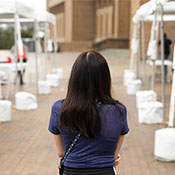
(39, 4)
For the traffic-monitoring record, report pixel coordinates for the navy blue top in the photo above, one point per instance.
(98, 152)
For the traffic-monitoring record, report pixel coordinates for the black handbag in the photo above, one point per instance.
(69, 149)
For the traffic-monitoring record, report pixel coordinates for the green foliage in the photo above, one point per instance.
(6, 38)
(27, 33)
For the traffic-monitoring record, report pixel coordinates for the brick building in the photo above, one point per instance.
(83, 24)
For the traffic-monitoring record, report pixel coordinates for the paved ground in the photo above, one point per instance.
(26, 147)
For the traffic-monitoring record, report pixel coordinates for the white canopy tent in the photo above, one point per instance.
(14, 10)
(154, 10)
(32, 16)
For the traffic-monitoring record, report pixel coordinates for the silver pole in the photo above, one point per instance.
(36, 53)
(15, 51)
(55, 43)
(45, 49)
(172, 99)
(153, 75)
(162, 58)
(143, 54)
(138, 55)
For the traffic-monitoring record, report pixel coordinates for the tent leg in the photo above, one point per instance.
(16, 17)
(153, 75)
(36, 54)
(55, 44)
(162, 58)
(138, 57)
(143, 53)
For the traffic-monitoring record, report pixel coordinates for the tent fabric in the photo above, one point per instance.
(43, 16)
(8, 8)
(146, 11)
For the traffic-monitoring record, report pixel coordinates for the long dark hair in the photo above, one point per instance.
(89, 83)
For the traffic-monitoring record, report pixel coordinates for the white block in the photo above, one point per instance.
(52, 79)
(44, 87)
(145, 96)
(164, 147)
(129, 76)
(59, 72)
(25, 101)
(5, 110)
(150, 112)
(133, 87)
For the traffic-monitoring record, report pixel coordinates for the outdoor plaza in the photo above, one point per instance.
(27, 148)
(30, 83)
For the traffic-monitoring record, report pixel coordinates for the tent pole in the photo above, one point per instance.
(162, 58)
(36, 53)
(138, 54)
(143, 53)
(15, 50)
(153, 75)
(55, 44)
(172, 99)
(45, 49)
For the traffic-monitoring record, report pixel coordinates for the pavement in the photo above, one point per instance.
(26, 146)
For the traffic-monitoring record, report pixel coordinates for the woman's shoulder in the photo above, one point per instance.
(57, 105)
(115, 106)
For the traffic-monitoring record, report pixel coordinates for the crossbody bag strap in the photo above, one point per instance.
(70, 148)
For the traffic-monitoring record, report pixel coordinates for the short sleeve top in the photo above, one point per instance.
(98, 152)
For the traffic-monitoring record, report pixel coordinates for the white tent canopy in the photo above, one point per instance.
(43, 16)
(11, 9)
(33, 16)
(8, 8)
(147, 12)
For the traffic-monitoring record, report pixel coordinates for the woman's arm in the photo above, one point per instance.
(117, 156)
(59, 145)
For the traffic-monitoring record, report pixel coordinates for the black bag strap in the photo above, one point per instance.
(70, 148)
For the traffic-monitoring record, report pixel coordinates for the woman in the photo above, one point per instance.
(90, 110)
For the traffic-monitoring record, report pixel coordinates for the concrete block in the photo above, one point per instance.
(129, 76)
(145, 96)
(133, 87)
(164, 147)
(5, 110)
(44, 87)
(25, 101)
(58, 72)
(52, 79)
(150, 112)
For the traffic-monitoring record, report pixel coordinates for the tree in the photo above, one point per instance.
(6, 38)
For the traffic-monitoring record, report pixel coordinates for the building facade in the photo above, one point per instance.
(83, 24)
